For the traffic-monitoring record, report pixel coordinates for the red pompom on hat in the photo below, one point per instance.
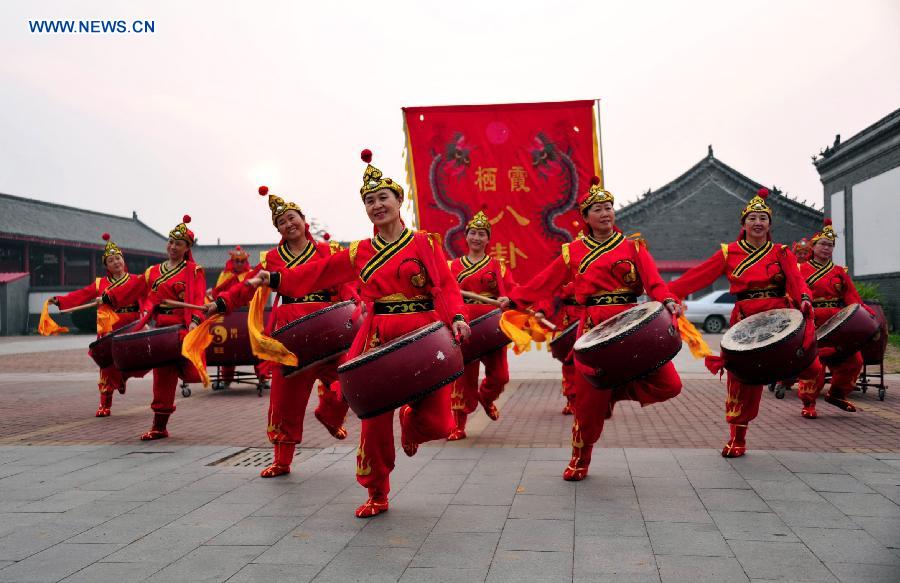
(106, 236)
(263, 190)
(326, 236)
(366, 155)
(595, 180)
(763, 193)
(186, 219)
(827, 222)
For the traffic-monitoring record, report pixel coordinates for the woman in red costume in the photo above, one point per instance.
(290, 395)
(117, 276)
(609, 272)
(763, 276)
(404, 284)
(562, 311)
(237, 268)
(831, 289)
(179, 279)
(479, 273)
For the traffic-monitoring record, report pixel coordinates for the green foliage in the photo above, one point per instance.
(868, 291)
(894, 340)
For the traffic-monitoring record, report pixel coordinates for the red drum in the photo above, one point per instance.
(561, 346)
(148, 348)
(767, 347)
(231, 341)
(628, 346)
(401, 371)
(486, 336)
(873, 352)
(319, 337)
(101, 348)
(848, 331)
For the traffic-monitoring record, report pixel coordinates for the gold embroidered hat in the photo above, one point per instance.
(238, 253)
(827, 232)
(110, 249)
(181, 231)
(373, 179)
(595, 194)
(758, 204)
(278, 205)
(479, 221)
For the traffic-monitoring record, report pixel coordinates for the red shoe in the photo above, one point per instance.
(489, 408)
(154, 434)
(457, 434)
(275, 470)
(121, 390)
(737, 445)
(336, 432)
(567, 409)
(102, 411)
(809, 411)
(577, 469)
(372, 507)
(840, 403)
(409, 448)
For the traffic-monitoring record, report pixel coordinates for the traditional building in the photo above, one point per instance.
(861, 180)
(685, 221)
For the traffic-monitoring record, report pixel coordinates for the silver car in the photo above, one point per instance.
(712, 311)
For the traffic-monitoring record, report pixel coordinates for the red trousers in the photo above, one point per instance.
(430, 418)
(289, 397)
(111, 379)
(568, 381)
(844, 374)
(466, 390)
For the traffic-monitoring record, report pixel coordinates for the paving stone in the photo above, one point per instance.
(442, 575)
(611, 519)
(891, 492)
(123, 529)
(759, 526)
(806, 462)
(520, 534)
(256, 531)
(420, 504)
(834, 483)
(257, 573)
(886, 530)
(365, 564)
(547, 485)
(863, 504)
(29, 540)
(208, 564)
(847, 546)
(661, 508)
(682, 538)
(544, 507)
(516, 566)
(716, 479)
(613, 555)
(859, 573)
(395, 530)
(464, 518)
(678, 569)
(434, 483)
(791, 489)
(167, 544)
(453, 550)
(63, 501)
(778, 560)
(732, 500)
(55, 563)
(176, 504)
(478, 494)
(114, 573)
(812, 514)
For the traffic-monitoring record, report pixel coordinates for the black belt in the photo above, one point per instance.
(570, 302)
(758, 294)
(162, 310)
(828, 304)
(611, 300)
(404, 306)
(128, 309)
(315, 297)
(474, 301)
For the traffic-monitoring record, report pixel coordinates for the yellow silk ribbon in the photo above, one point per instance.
(106, 319)
(690, 334)
(265, 347)
(46, 325)
(522, 329)
(195, 344)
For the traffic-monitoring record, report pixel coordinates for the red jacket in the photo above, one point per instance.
(488, 277)
(128, 283)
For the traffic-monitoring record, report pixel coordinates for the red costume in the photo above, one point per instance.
(405, 285)
(562, 311)
(185, 283)
(763, 278)
(831, 289)
(608, 277)
(232, 277)
(110, 377)
(489, 278)
(290, 395)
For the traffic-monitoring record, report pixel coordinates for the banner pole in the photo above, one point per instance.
(602, 173)
(410, 171)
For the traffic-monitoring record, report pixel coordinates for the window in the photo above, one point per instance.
(12, 257)
(726, 299)
(78, 267)
(44, 264)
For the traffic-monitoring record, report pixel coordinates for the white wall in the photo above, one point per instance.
(36, 301)
(839, 224)
(876, 214)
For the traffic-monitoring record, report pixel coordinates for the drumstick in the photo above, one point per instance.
(177, 304)
(493, 302)
(92, 304)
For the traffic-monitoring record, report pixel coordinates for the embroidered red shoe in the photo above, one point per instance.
(102, 411)
(840, 403)
(121, 390)
(577, 469)
(567, 409)
(489, 408)
(154, 434)
(809, 411)
(275, 470)
(737, 445)
(372, 507)
(336, 432)
(457, 434)
(409, 447)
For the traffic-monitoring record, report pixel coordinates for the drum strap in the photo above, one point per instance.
(828, 304)
(404, 306)
(611, 300)
(757, 294)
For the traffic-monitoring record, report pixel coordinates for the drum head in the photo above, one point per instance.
(390, 346)
(762, 330)
(569, 329)
(619, 326)
(836, 320)
(488, 316)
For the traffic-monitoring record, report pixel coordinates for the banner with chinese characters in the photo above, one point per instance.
(525, 165)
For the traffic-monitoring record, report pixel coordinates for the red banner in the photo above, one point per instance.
(526, 165)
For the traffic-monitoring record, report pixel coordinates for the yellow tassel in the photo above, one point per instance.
(106, 319)
(195, 344)
(265, 347)
(522, 329)
(690, 334)
(46, 325)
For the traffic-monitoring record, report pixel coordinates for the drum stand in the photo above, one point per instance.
(875, 381)
(217, 382)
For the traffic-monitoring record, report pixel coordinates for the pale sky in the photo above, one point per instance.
(225, 96)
